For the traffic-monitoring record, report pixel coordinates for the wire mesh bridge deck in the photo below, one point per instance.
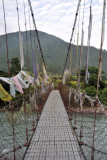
(54, 138)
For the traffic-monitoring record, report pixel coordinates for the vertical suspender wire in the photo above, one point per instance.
(22, 63)
(6, 38)
(26, 37)
(33, 119)
(76, 59)
(82, 39)
(9, 77)
(71, 35)
(36, 32)
(88, 45)
(102, 41)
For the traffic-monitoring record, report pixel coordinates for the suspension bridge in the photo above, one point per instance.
(40, 121)
(54, 137)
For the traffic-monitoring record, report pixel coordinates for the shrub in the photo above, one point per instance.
(73, 84)
(91, 91)
(103, 96)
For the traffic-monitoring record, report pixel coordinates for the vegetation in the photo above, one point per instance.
(103, 96)
(15, 66)
(90, 88)
(54, 50)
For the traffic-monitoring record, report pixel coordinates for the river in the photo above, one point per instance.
(87, 125)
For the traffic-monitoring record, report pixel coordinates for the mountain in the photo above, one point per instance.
(54, 51)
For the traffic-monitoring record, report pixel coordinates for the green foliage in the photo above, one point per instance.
(93, 80)
(92, 70)
(3, 74)
(15, 66)
(91, 91)
(56, 80)
(103, 96)
(93, 77)
(73, 84)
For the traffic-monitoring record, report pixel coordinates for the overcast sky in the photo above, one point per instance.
(56, 17)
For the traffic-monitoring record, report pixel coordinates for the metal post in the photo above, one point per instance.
(24, 106)
(12, 113)
(93, 149)
(81, 131)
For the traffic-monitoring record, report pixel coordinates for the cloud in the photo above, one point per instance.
(56, 17)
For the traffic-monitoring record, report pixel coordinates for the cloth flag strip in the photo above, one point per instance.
(87, 75)
(66, 75)
(7, 80)
(17, 83)
(4, 95)
(21, 50)
(37, 68)
(34, 66)
(27, 78)
(102, 40)
(22, 82)
(46, 77)
(11, 84)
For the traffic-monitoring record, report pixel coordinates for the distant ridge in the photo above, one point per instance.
(54, 50)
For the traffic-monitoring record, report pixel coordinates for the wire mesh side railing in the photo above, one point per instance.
(18, 122)
(90, 128)
(91, 132)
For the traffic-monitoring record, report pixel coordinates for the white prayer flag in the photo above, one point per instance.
(21, 50)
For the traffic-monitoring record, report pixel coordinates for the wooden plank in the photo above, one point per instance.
(54, 138)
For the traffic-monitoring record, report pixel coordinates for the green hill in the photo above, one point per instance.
(54, 50)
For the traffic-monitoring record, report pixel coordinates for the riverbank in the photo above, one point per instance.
(88, 110)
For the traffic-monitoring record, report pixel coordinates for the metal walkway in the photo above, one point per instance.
(54, 138)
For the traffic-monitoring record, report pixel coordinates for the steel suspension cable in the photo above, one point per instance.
(22, 63)
(72, 35)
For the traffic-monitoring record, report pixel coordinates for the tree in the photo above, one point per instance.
(103, 96)
(92, 70)
(3, 74)
(93, 77)
(91, 91)
(15, 66)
